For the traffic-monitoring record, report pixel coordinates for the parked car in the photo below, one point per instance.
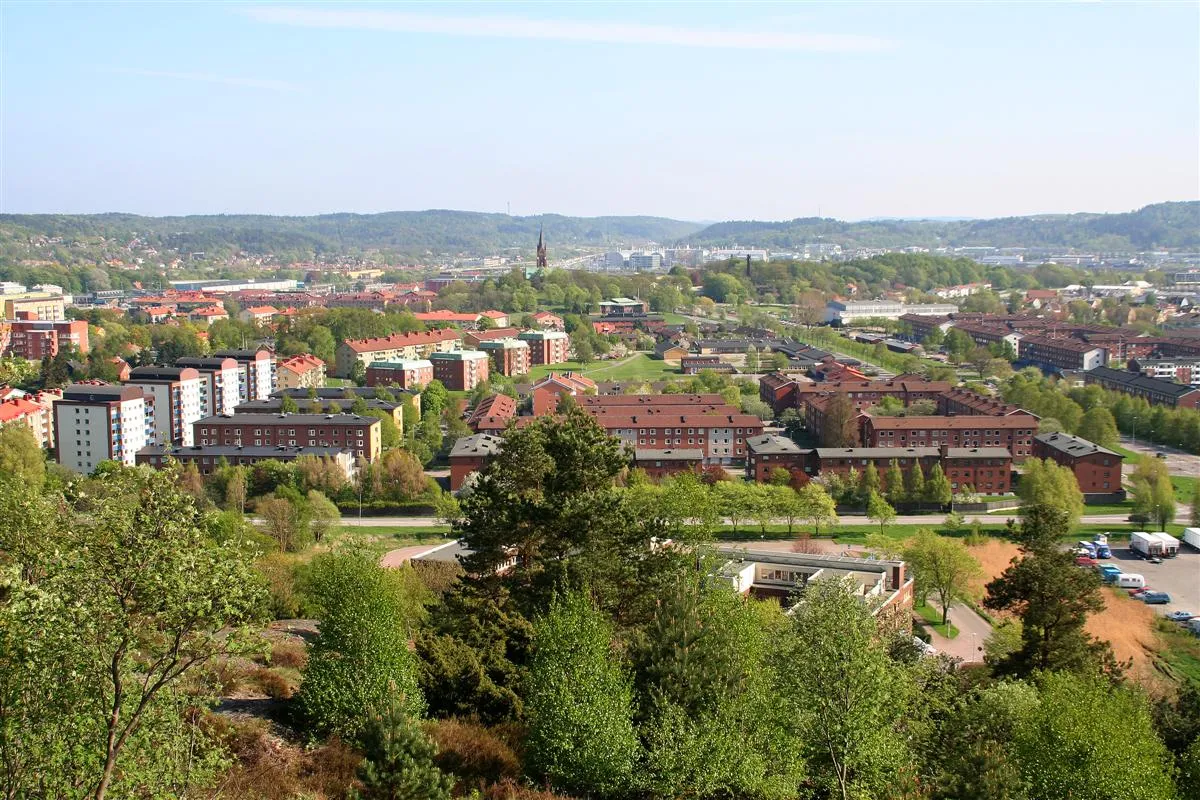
(1139, 592)
(1156, 598)
(1180, 616)
(1160, 454)
(1154, 560)
(1085, 561)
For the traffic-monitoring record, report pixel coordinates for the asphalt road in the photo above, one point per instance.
(973, 631)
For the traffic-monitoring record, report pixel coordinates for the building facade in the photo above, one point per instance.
(469, 455)
(413, 374)
(397, 347)
(1155, 391)
(769, 452)
(95, 423)
(209, 458)
(360, 435)
(258, 371)
(1097, 469)
(179, 400)
(221, 382)
(508, 356)
(1014, 432)
(460, 370)
(300, 372)
(547, 347)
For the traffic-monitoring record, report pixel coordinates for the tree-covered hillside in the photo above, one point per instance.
(1169, 225)
(410, 232)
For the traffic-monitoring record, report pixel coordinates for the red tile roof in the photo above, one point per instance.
(399, 340)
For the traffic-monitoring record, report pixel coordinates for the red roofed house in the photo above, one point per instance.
(492, 415)
(258, 315)
(472, 339)
(208, 315)
(498, 318)
(449, 317)
(300, 372)
(397, 347)
(23, 411)
(548, 390)
(159, 313)
(549, 321)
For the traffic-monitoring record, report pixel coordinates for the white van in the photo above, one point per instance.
(1128, 580)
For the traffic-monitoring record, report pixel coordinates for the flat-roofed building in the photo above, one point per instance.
(222, 382)
(258, 371)
(509, 356)
(179, 400)
(460, 370)
(409, 374)
(845, 312)
(33, 339)
(95, 423)
(547, 346)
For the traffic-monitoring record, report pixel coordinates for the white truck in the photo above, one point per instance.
(1192, 536)
(1145, 544)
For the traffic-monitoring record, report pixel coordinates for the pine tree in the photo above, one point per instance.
(869, 483)
(914, 483)
(398, 758)
(894, 479)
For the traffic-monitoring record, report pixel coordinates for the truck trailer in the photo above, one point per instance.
(1191, 536)
(1145, 544)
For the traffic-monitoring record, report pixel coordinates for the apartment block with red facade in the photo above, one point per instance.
(1061, 353)
(549, 390)
(397, 347)
(921, 325)
(769, 452)
(222, 382)
(472, 339)
(1156, 392)
(987, 470)
(1097, 469)
(840, 460)
(460, 370)
(411, 374)
(965, 402)
(33, 339)
(361, 435)
(659, 464)
(1014, 433)
(721, 437)
(864, 394)
(778, 391)
(469, 455)
(509, 356)
(547, 347)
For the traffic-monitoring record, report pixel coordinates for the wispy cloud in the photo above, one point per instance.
(505, 27)
(205, 77)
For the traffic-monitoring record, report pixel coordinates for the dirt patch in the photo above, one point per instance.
(994, 556)
(1128, 625)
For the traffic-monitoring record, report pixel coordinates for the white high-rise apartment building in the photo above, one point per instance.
(101, 423)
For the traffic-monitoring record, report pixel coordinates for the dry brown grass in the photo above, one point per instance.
(511, 790)
(993, 556)
(476, 755)
(272, 683)
(268, 768)
(288, 653)
(1127, 625)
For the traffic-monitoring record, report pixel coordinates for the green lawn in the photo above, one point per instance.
(1185, 487)
(640, 367)
(933, 618)
(378, 541)
(1180, 655)
(671, 318)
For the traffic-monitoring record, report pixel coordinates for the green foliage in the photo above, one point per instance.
(937, 487)
(848, 695)
(943, 567)
(361, 657)
(880, 510)
(20, 457)
(1098, 426)
(817, 508)
(434, 398)
(398, 758)
(581, 734)
(128, 598)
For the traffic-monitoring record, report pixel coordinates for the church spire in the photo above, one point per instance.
(541, 250)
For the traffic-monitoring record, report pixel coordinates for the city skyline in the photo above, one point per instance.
(699, 113)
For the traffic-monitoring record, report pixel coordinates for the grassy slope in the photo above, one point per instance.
(640, 367)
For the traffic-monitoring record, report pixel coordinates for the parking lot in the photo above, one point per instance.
(1178, 577)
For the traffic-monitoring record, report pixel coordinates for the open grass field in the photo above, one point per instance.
(933, 619)
(638, 367)
(378, 541)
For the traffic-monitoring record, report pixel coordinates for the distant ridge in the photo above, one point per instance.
(1164, 225)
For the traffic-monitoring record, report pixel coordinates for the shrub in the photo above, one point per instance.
(289, 653)
(283, 600)
(272, 684)
(475, 755)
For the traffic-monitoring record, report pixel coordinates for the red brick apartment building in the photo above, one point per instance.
(33, 339)
(965, 402)
(469, 455)
(405, 374)
(1156, 392)
(770, 452)
(659, 464)
(547, 347)
(460, 370)
(397, 347)
(921, 325)
(778, 391)
(986, 469)
(1061, 354)
(721, 437)
(340, 431)
(864, 394)
(1014, 432)
(547, 392)
(1097, 469)
(509, 356)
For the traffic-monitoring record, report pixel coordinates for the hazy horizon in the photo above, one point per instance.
(696, 112)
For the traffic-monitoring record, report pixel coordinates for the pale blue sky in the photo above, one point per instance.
(703, 112)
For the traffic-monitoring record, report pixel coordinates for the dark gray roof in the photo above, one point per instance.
(881, 452)
(89, 393)
(200, 362)
(772, 444)
(219, 450)
(342, 392)
(978, 452)
(684, 454)
(481, 444)
(273, 404)
(240, 354)
(1137, 381)
(1072, 445)
(298, 419)
(156, 374)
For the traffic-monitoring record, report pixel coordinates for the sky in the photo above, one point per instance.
(694, 111)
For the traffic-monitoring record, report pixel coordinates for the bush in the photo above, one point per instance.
(475, 755)
(289, 654)
(272, 684)
(437, 576)
(283, 599)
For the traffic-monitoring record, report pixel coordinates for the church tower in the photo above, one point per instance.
(541, 252)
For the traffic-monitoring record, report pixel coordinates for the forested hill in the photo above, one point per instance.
(412, 232)
(1166, 225)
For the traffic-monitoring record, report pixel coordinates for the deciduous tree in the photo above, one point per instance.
(944, 567)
